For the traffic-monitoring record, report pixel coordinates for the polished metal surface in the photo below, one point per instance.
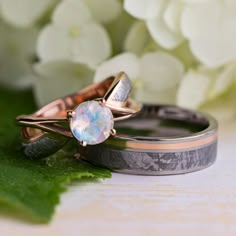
(152, 163)
(44, 132)
(186, 142)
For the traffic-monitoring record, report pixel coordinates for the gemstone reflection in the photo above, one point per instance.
(92, 122)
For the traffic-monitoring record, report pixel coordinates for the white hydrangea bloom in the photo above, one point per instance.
(194, 89)
(139, 41)
(226, 77)
(127, 62)
(59, 78)
(144, 9)
(100, 12)
(74, 36)
(17, 53)
(162, 19)
(223, 107)
(208, 25)
(155, 75)
(210, 28)
(160, 74)
(210, 89)
(24, 13)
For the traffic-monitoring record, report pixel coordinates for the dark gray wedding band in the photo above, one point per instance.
(174, 141)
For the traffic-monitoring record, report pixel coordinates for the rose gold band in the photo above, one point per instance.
(144, 145)
(47, 118)
(47, 130)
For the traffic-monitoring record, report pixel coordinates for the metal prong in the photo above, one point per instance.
(113, 132)
(83, 143)
(70, 114)
(102, 102)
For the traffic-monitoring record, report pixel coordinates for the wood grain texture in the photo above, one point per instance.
(200, 203)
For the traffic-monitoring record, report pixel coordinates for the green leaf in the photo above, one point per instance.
(28, 188)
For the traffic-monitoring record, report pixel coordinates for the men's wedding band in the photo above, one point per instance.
(160, 140)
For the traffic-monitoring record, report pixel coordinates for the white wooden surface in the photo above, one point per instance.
(201, 203)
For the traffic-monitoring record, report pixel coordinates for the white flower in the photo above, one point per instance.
(194, 89)
(17, 53)
(24, 13)
(161, 74)
(162, 19)
(223, 107)
(104, 11)
(73, 36)
(59, 78)
(210, 28)
(127, 62)
(139, 41)
(155, 75)
(210, 89)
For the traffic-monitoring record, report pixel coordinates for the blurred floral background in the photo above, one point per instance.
(175, 51)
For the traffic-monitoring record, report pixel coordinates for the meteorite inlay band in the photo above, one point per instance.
(160, 140)
(90, 115)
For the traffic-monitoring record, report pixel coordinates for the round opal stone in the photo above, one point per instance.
(92, 122)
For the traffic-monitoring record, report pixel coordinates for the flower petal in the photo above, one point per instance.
(59, 78)
(138, 39)
(193, 90)
(144, 9)
(160, 71)
(172, 15)
(192, 25)
(71, 13)
(161, 74)
(99, 9)
(92, 46)
(222, 108)
(17, 51)
(20, 77)
(24, 13)
(53, 44)
(162, 34)
(213, 40)
(225, 79)
(166, 96)
(127, 62)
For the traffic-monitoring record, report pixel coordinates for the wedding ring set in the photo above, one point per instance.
(113, 131)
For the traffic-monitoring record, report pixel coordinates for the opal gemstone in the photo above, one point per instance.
(91, 122)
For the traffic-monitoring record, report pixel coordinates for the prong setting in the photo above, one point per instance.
(83, 143)
(70, 114)
(113, 132)
(102, 102)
